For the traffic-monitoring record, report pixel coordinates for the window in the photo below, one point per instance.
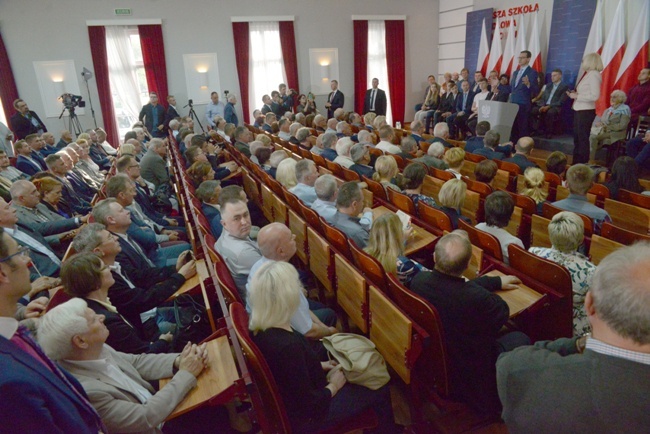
(126, 75)
(266, 64)
(377, 67)
(3, 117)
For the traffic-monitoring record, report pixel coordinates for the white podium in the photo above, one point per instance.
(500, 115)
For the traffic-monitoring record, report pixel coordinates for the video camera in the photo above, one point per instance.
(71, 101)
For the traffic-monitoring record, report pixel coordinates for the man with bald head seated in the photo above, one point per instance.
(312, 319)
(472, 317)
(523, 148)
(596, 383)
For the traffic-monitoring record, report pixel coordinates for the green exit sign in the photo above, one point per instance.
(123, 11)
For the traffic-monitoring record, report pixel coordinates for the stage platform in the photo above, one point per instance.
(562, 143)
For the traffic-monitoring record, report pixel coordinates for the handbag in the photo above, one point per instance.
(191, 322)
(359, 359)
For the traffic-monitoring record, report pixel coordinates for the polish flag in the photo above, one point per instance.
(483, 51)
(636, 52)
(521, 38)
(535, 50)
(496, 54)
(595, 39)
(612, 56)
(507, 65)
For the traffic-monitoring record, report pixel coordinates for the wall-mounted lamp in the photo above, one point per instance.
(325, 71)
(59, 88)
(204, 81)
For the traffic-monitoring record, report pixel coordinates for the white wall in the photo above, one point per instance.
(56, 30)
(451, 35)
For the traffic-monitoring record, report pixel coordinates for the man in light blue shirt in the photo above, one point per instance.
(214, 108)
(349, 204)
(325, 204)
(306, 174)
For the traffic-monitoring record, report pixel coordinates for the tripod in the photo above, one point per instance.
(193, 115)
(73, 121)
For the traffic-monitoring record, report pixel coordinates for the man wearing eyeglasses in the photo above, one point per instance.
(36, 394)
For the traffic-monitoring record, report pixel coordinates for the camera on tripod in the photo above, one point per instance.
(71, 101)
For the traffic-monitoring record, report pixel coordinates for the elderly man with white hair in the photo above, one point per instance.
(331, 125)
(306, 174)
(303, 137)
(343, 147)
(274, 160)
(229, 112)
(293, 131)
(365, 138)
(441, 134)
(329, 141)
(361, 157)
(434, 157)
(343, 129)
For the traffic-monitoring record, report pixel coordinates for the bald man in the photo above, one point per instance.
(523, 149)
(312, 319)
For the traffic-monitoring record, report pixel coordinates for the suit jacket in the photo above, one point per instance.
(521, 94)
(468, 104)
(170, 114)
(153, 168)
(550, 388)
(380, 102)
(489, 153)
(99, 156)
(473, 143)
(230, 115)
(214, 217)
(559, 97)
(362, 170)
(23, 127)
(471, 316)
(41, 261)
(138, 271)
(153, 122)
(336, 102)
(30, 167)
(31, 217)
(521, 161)
(72, 198)
(144, 201)
(120, 410)
(35, 400)
(499, 97)
(448, 103)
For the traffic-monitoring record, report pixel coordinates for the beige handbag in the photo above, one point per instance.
(358, 358)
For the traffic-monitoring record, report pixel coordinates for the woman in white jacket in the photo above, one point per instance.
(584, 99)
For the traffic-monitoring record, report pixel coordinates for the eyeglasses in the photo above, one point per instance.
(23, 251)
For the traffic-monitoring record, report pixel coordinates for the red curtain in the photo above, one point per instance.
(242, 54)
(153, 55)
(8, 90)
(360, 63)
(97, 35)
(396, 71)
(288, 42)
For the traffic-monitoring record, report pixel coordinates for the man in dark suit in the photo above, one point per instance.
(229, 113)
(25, 122)
(335, 99)
(65, 140)
(375, 100)
(498, 92)
(596, 383)
(361, 157)
(524, 88)
(545, 113)
(490, 142)
(37, 395)
(171, 112)
(57, 167)
(153, 116)
(25, 162)
(523, 149)
(458, 120)
(472, 316)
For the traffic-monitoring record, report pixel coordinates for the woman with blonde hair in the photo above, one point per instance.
(533, 186)
(50, 190)
(264, 139)
(200, 171)
(386, 244)
(431, 102)
(566, 232)
(379, 122)
(314, 397)
(127, 149)
(451, 198)
(286, 173)
(385, 170)
(584, 98)
(455, 157)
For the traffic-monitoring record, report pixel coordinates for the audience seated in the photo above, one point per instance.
(286, 173)
(8, 173)
(490, 141)
(153, 166)
(580, 178)
(485, 171)
(274, 161)
(306, 175)
(385, 144)
(557, 163)
(499, 207)
(329, 141)
(349, 204)
(533, 187)
(25, 161)
(200, 171)
(455, 157)
(472, 317)
(637, 148)
(343, 147)
(612, 125)
(523, 149)
(566, 231)
(409, 148)
(604, 376)
(242, 138)
(411, 184)
(624, 175)
(451, 198)
(385, 170)
(386, 244)
(441, 134)
(313, 401)
(476, 142)
(208, 193)
(236, 247)
(434, 155)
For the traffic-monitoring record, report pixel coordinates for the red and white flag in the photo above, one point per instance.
(496, 54)
(595, 38)
(534, 46)
(636, 52)
(508, 64)
(521, 38)
(612, 56)
(483, 51)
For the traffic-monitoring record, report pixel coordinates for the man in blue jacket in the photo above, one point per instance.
(524, 88)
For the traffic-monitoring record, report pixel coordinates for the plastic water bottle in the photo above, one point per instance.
(398, 125)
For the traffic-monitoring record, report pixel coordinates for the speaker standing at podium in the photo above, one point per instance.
(524, 86)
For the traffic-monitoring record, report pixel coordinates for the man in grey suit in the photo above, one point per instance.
(152, 166)
(75, 335)
(596, 383)
(545, 114)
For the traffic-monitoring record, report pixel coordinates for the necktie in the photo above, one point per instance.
(36, 245)
(332, 97)
(137, 248)
(464, 101)
(23, 340)
(372, 100)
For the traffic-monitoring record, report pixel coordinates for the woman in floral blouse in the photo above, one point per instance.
(566, 232)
